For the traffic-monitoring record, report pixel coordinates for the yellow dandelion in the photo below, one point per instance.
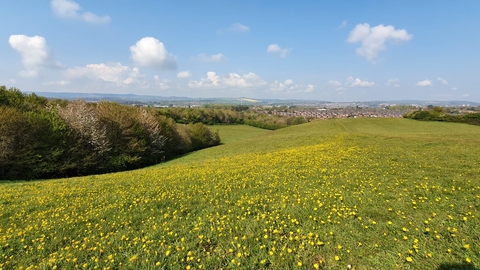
(133, 258)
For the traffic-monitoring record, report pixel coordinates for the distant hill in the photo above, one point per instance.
(161, 100)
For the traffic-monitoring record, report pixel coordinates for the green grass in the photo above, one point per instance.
(373, 193)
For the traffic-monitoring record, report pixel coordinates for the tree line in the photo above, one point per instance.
(41, 138)
(234, 114)
(436, 113)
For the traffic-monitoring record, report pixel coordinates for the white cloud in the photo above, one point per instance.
(310, 88)
(35, 54)
(356, 82)
(184, 74)
(442, 81)
(393, 82)
(150, 52)
(235, 28)
(71, 9)
(162, 84)
(233, 80)
(454, 88)
(373, 38)
(238, 27)
(94, 19)
(211, 58)
(112, 73)
(344, 23)
(65, 8)
(274, 48)
(335, 83)
(465, 95)
(60, 83)
(29, 73)
(350, 82)
(424, 83)
(289, 86)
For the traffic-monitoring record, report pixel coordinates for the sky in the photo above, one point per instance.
(308, 50)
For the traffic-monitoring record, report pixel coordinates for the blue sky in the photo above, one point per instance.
(322, 50)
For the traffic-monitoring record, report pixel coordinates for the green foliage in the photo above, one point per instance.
(13, 97)
(42, 139)
(49, 144)
(233, 133)
(15, 144)
(435, 113)
(230, 115)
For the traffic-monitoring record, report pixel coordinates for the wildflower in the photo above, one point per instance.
(133, 258)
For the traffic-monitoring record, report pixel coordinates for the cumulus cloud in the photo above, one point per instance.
(310, 88)
(71, 9)
(274, 48)
(373, 39)
(150, 52)
(289, 86)
(350, 82)
(393, 82)
(112, 73)
(35, 54)
(233, 80)
(163, 84)
(442, 81)
(424, 83)
(336, 84)
(356, 82)
(184, 74)
(211, 58)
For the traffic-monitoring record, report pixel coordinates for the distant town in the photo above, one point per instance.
(309, 109)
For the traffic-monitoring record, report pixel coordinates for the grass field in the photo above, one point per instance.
(370, 193)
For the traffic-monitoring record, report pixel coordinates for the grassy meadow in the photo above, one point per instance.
(365, 193)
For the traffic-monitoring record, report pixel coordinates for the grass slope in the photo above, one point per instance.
(372, 193)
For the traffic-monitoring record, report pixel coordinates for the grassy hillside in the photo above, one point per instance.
(372, 193)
